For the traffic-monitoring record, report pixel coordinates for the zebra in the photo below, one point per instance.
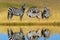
(45, 13)
(33, 35)
(33, 12)
(16, 35)
(17, 12)
(45, 33)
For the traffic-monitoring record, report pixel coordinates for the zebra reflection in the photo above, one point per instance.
(45, 33)
(16, 35)
(15, 11)
(33, 35)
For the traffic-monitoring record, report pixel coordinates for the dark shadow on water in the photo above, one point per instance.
(30, 24)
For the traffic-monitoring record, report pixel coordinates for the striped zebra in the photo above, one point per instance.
(17, 12)
(16, 35)
(33, 35)
(45, 33)
(33, 12)
(45, 13)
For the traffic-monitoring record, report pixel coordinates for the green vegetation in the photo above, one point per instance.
(6, 5)
(29, 3)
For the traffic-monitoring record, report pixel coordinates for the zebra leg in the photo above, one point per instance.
(23, 38)
(21, 17)
(38, 16)
(10, 33)
(46, 17)
(42, 15)
(9, 15)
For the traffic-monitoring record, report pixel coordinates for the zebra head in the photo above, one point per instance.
(23, 7)
(16, 35)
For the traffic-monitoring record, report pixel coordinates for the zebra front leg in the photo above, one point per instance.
(46, 17)
(9, 15)
(42, 15)
(38, 16)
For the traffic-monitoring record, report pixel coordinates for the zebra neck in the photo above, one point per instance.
(23, 9)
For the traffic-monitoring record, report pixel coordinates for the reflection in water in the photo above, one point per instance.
(52, 37)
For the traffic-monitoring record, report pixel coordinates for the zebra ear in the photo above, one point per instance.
(10, 32)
